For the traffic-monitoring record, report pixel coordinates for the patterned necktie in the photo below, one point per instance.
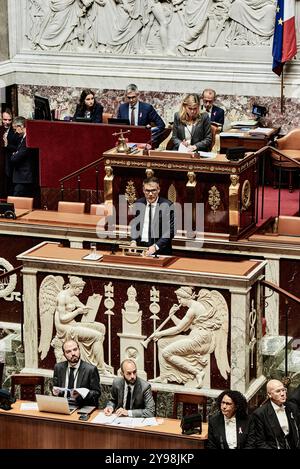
(132, 117)
(128, 398)
(71, 379)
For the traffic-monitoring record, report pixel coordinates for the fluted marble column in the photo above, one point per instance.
(240, 306)
(30, 318)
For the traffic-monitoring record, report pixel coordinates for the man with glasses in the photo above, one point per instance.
(276, 423)
(138, 112)
(153, 225)
(215, 113)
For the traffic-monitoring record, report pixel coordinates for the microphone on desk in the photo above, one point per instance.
(156, 135)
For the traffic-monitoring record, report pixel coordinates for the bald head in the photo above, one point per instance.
(276, 391)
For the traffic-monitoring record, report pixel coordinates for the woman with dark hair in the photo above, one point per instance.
(88, 108)
(230, 428)
(191, 128)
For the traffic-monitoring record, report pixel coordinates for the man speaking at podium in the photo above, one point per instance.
(153, 225)
(138, 112)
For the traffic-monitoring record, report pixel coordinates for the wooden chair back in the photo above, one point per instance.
(191, 404)
(28, 385)
(106, 116)
(21, 202)
(71, 207)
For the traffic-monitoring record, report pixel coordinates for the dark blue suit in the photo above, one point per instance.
(162, 224)
(146, 115)
(217, 115)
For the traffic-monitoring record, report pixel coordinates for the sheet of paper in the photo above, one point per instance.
(150, 421)
(207, 154)
(29, 406)
(183, 149)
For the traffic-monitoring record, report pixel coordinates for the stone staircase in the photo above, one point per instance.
(273, 351)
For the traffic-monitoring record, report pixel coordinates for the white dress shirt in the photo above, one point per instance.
(145, 230)
(230, 432)
(282, 418)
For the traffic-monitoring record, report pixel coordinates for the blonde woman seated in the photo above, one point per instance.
(191, 128)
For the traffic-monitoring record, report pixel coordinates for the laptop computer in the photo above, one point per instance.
(54, 404)
(116, 121)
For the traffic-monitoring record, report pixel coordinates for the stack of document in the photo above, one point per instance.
(130, 422)
(261, 132)
(245, 123)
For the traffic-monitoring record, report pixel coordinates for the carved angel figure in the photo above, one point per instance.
(62, 302)
(183, 358)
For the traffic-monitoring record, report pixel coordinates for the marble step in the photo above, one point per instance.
(272, 345)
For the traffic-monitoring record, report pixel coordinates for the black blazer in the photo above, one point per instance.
(268, 432)
(162, 224)
(217, 436)
(96, 114)
(23, 164)
(201, 134)
(88, 377)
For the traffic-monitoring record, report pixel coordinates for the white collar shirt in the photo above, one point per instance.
(282, 417)
(145, 230)
(230, 432)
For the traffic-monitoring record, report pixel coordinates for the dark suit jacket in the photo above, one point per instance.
(217, 436)
(268, 432)
(142, 400)
(162, 224)
(295, 397)
(88, 377)
(201, 134)
(23, 163)
(96, 115)
(217, 115)
(147, 115)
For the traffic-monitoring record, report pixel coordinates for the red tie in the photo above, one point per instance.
(132, 117)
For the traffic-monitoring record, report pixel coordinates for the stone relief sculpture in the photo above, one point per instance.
(61, 302)
(161, 27)
(252, 22)
(184, 358)
(64, 25)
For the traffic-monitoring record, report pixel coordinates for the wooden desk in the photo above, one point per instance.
(38, 430)
(225, 189)
(54, 218)
(241, 138)
(236, 281)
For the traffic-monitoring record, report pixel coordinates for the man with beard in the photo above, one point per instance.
(130, 396)
(75, 373)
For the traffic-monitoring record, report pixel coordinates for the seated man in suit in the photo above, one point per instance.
(276, 422)
(130, 396)
(215, 113)
(75, 373)
(138, 112)
(153, 225)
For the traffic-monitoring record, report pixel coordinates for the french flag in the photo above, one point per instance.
(284, 40)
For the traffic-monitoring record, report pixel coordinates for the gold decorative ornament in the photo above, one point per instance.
(130, 193)
(149, 173)
(191, 179)
(122, 146)
(214, 199)
(246, 195)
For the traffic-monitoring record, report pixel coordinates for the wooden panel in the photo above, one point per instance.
(28, 430)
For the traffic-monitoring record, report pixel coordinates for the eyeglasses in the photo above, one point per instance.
(150, 191)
